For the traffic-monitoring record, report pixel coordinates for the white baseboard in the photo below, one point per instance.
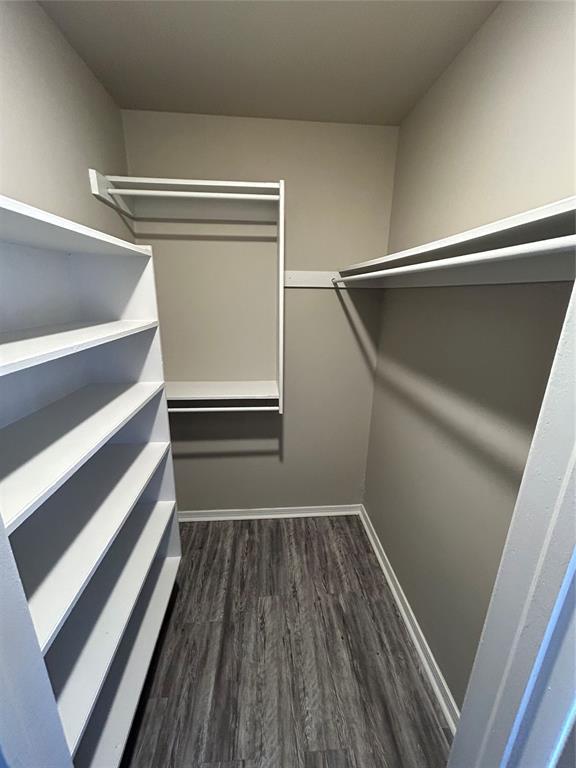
(429, 663)
(427, 660)
(206, 515)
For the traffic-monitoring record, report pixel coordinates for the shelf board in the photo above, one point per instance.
(221, 390)
(107, 732)
(49, 445)
(23, 224)
(24, 349)
(59, 550)
(84, 650)
(205, 185)
(545, 222)
(546, 261)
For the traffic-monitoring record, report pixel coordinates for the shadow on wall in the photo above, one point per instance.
(474, 362)
(359, 306)
(223, 435)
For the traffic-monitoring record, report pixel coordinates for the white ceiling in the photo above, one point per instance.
(359, 61)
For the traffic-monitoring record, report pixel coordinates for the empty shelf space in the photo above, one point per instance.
(221, 390)
(23, 349)
(49, 445)
(84, 650)
(59, 549)
(107, 732)
(23, 224)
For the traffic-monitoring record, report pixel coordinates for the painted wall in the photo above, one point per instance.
(461, 371)
(339, 188)
(56, 121)
(494, 135)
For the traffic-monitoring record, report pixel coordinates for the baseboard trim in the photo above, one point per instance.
(209, 515)
(429, 663)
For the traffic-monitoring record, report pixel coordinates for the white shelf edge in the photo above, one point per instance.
(120, 714)
(180, 193)
(140, 559)
(40, 345)
(146, 181)
(532, 216)
(23, 224)
(547, 260)
(151, 456)
(221, 390)
(34, 423)
(224, 409)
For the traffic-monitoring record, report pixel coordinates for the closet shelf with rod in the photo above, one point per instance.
(231, 395)
(142, 199)
(516, 257)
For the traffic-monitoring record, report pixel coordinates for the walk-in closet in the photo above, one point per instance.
(287, 384)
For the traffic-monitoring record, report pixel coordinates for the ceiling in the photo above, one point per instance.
(356, 61)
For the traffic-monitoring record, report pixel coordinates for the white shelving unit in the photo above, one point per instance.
(89, 544)
(139, 199)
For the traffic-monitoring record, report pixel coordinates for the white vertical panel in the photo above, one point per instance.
(30, 730)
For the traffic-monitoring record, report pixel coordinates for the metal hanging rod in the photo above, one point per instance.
(183, 193)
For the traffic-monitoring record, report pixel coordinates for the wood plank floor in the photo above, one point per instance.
(283, 649)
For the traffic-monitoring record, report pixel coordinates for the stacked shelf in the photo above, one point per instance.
(87, 497)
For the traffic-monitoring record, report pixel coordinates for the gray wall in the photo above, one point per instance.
(339, 190)
(56, 121)
(461, 371)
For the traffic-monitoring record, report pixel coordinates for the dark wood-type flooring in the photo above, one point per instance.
(283, 648)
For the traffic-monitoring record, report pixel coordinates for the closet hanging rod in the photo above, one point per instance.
(185, 193)
(523, 251)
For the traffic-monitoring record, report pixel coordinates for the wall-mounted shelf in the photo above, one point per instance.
(143, 199)
(88, 530)
(214, 396)
(521, 261)
(543, 223)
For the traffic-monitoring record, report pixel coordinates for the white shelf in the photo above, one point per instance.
(545, 222)
(222, 396)
(39, 345)
(60, 548)
(105, 738)
(26, 225)
(221, 390)
(546, 261)
(79, 660)
(208, 185)
(48, 446)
